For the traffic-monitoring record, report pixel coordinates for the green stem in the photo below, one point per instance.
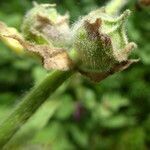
(114, 6)
(30, 104)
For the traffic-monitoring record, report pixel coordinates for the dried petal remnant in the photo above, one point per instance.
(97, 77)
(93, 28)
(53, 58)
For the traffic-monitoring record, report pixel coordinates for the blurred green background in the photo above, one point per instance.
(114, 114)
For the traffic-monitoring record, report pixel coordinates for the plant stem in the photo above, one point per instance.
(114, 6)
(30, 104)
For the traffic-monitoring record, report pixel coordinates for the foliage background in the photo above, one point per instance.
(114, 114)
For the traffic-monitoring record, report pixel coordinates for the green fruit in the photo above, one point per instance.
(100, 41)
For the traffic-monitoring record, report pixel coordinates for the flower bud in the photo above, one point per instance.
(100, 41)
(43, 24)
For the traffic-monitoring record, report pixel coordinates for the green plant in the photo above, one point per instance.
(97, 51)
